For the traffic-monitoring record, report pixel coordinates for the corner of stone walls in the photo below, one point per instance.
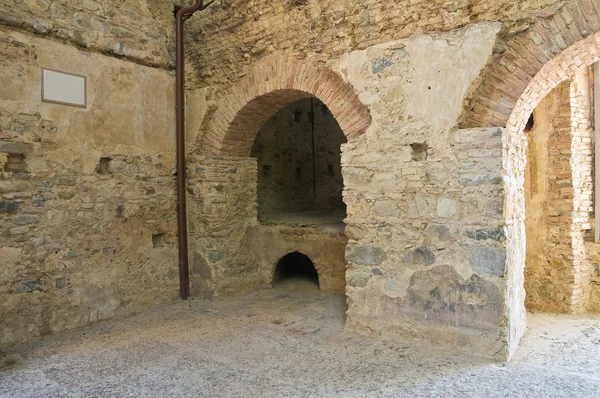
(222, 222)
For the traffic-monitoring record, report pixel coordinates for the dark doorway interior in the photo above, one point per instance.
(298, 156)
(296, 266)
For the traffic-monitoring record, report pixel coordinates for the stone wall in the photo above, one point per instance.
(426, 243)
(232, 35)
(426, 256)
(222, 220)
(87, 207)
(141, 31)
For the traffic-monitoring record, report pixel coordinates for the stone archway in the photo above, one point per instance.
(548, 54)
(534, 63)
(270, 85)
(231, 250)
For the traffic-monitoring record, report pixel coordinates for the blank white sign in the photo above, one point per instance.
(63, 88)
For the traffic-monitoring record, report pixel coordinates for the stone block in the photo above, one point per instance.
(447, 207)
(9, 207)
(66, 181)
(488, 260)
(14, 147)
(496, 234)
(70, 254)
(60, 282)
(214, 257)
(29, 286)
(19, 230)
(358, 279)
(380, 64)
(419, 256)
(39, 201)
(25, 219)
(481, 179)
(365, 255)
(439, 232)
(118, 166)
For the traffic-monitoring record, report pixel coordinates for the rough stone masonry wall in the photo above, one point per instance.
(232, 35)
(141, 30)
(425, 213)
(82, 239)
(222, 220)
(426, 256)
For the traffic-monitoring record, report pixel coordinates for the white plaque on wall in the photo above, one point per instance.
(63, 88)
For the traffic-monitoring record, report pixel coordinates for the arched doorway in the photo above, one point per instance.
(299, 190)
(270, 85)
(533, 65)
(246, 173)
(558, 197)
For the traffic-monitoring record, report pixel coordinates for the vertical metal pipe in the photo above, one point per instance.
(596, 172)
(314, 163)
(184, 274)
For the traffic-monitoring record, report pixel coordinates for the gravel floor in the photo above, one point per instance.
(289, 342)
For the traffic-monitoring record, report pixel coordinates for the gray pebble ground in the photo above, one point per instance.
(289, 342)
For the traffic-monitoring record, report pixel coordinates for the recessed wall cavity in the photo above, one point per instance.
(298, 157)
(295, 266)
(15, 163)
(103, 166)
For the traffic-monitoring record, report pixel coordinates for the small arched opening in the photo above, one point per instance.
(295, 268)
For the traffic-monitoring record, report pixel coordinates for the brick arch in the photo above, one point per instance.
(550, 53)
(535, 62)
(268, 87)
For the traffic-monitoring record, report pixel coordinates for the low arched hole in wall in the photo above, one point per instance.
(295, 267)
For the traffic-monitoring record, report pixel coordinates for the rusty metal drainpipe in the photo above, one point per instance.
(184, 274)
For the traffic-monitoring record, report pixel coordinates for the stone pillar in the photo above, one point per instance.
(583, 187)
(427, 249)
(222, 212)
